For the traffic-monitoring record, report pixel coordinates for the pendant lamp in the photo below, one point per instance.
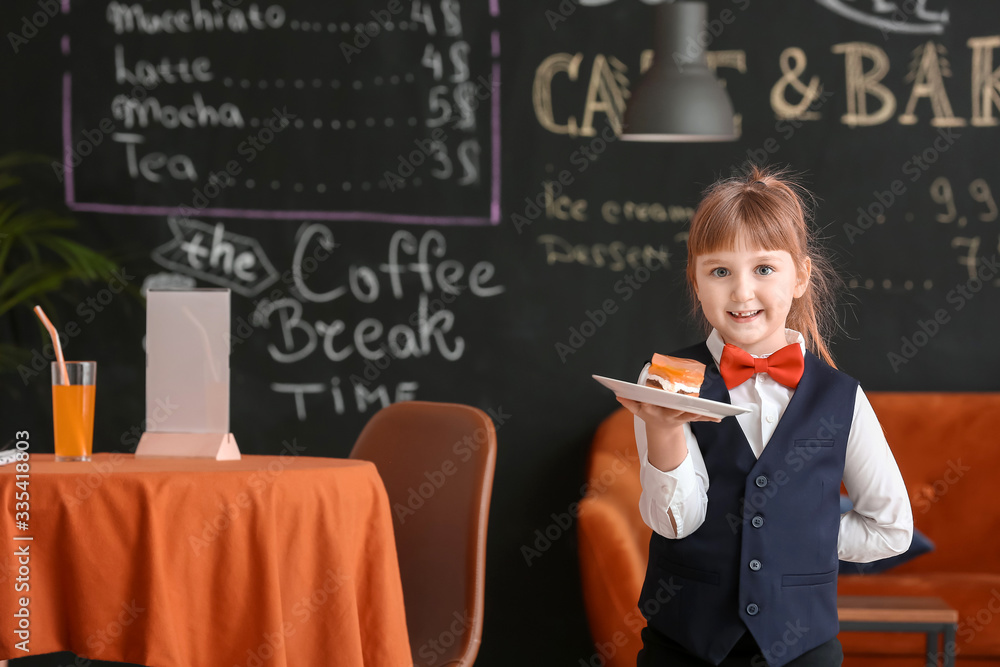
(679, 99)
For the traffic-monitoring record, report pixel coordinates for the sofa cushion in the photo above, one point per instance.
(975, 596)
(918, 545)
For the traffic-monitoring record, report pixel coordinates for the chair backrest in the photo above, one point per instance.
(437, 461)
(613, 541)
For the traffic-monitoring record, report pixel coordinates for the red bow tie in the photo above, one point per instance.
(784, 366)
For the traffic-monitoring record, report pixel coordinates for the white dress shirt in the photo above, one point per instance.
(879, 526)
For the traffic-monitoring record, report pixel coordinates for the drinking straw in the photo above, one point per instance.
(55, 342)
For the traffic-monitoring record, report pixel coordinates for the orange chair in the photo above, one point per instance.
(613, 542)
(437, 461)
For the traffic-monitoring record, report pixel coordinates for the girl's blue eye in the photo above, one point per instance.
(718, 269)
(769, 269)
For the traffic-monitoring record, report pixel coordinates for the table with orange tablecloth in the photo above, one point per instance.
(283, 561)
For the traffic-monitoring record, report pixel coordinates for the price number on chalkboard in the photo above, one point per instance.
(422, 12)
(467, 155)
(453, 100)
(971, 259)
(461, 113)
(943, 194)
(459, 57)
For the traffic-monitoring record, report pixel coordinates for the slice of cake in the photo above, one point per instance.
(681, 376)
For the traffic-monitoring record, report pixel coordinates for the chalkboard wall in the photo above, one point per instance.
(437, 207)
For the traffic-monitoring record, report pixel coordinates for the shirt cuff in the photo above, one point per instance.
(661, 487)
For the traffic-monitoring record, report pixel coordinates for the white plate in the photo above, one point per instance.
(668, 399)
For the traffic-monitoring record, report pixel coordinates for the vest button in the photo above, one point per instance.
(761, 480)
(752, 609)
(757, 521)
(755, 565)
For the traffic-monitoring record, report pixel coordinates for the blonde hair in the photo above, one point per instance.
(768, 208)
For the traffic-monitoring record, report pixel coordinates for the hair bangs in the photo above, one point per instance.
(750, 221)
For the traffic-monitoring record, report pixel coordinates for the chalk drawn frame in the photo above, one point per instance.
(269, 214)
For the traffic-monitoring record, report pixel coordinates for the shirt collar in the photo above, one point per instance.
(715, 343)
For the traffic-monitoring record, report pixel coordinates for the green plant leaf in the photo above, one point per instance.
(19, 277)
(21, 159)
(20, 230)
(9, 209)
(36, 221)
(8, 180)
(34, 242)
(11, 356)
(87, 264)
(43, 282)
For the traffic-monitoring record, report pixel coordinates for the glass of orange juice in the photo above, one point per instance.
(73, 409)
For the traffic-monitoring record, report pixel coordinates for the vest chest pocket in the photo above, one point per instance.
(809, 579)
(813, 443)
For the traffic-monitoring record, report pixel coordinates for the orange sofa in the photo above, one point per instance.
(947, 446)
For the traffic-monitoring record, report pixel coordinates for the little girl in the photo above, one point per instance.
(745, 511)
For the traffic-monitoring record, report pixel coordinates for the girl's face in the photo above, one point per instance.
(746, 294)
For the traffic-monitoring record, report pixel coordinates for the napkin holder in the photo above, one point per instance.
(187, 375)
(218, 446)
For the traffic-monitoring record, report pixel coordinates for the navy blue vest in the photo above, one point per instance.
(765, 559)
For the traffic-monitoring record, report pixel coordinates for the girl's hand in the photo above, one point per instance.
(665, 440)
(660, 418)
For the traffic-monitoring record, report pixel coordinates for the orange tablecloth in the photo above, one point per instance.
(283, 561)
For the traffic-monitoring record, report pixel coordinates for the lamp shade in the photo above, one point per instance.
(679, 99)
